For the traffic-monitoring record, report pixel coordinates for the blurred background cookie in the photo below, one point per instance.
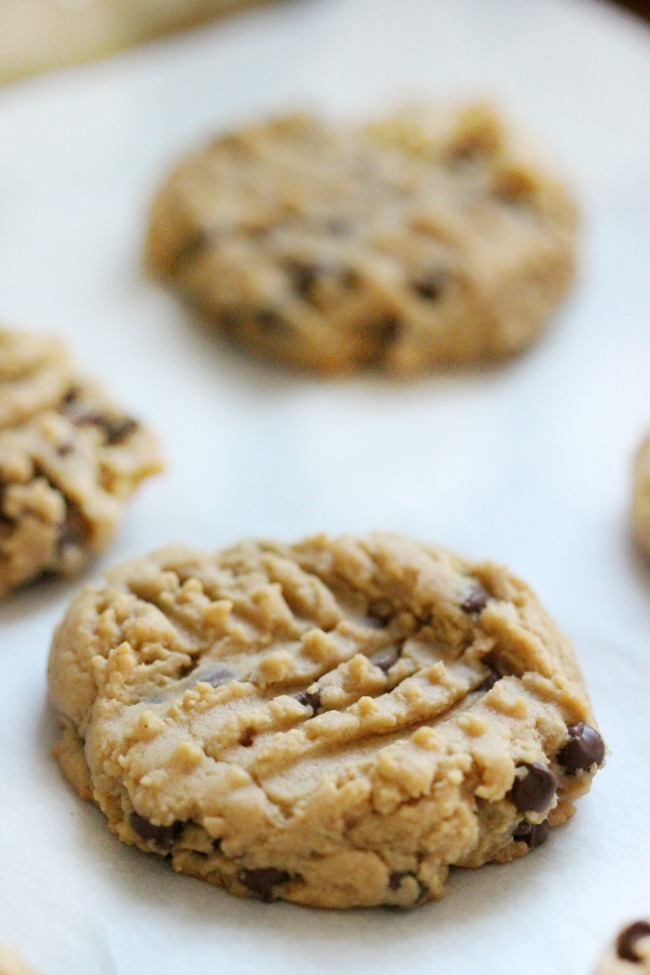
(433, 237)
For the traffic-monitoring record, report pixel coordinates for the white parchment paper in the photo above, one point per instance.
(527, 463)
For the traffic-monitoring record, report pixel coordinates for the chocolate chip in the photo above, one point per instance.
(309, 699)
(230, 319)
(387, 331)
(216, 677)
(162, 836)
(628, 938)
(247, 738)
(476, 600)
(73, 532)
(304, 275)
(491, 679)
(116, 429)
(263, 880)
(395, 882)
(534, 834)
(64, 449)
(385, 658)
(270, 320)
(430, 286)
(584, 747)
(535, 790)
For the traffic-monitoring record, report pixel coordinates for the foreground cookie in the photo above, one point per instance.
(629, 953)
(68, 460)
(333, 723)
(641, 495)
(427, 239)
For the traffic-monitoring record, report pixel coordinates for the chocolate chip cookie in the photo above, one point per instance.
(629, 953)
(430, 238)
(641, 495)
(68, 460)
(335, 722)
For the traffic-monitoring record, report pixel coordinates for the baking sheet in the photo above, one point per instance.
(527, 463)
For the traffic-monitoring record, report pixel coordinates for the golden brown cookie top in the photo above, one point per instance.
(433, 236)
(281, 704)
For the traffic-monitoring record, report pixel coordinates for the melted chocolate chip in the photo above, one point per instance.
(162, 836)
(628, 938)
(118, 428)
(476, 600)
(385, 658)
(534, 834)
(535, 790)
(309, 699)
(247, 738)
(396, 878)
(69, 399)
(584, 747)
(430, 286)
(263, 881)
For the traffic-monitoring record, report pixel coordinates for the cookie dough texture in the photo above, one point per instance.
(629, 953)
(68, 460)
(12, 964)
(430, 238)
(335, 722)
(641, 495)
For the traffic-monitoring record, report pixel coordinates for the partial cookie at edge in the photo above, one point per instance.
(629, 952)
(69, 459)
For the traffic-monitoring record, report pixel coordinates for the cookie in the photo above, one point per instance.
(333, 723)
(11, 963)
(68, 460)
(430, 238)
(641, 495)
(629, 953)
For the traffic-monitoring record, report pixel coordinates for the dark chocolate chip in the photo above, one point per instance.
(230, 319)
(304, 275)
(247, 738)
(64, 449)
(118, 428)
(387, 331)
(489, 682)
(534, 834)
(385, 659)
(162, 836)
(263, 881)
(535, 790)
(270, 320)
(584, 747)
(430, 286)
(69, 399)
(396, 878)
(73, 532)
(310, 699)
(628, 938)
(216, 677)
(191, 247)
(476, 600)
